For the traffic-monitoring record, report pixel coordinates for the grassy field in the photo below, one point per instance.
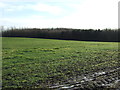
(36, 63)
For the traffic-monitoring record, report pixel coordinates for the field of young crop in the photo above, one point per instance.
(40, 63)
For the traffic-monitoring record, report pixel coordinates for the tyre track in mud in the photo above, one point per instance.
(108, 79)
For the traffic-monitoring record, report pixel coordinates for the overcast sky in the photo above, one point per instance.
(83, 14)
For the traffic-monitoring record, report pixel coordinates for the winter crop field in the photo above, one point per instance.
(44, 63)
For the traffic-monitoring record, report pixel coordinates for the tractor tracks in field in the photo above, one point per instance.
(108, 79)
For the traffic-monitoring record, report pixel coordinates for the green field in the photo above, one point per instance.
(36, 63)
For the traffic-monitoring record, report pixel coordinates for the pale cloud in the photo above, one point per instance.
(15, 7)
(47, 8)
(19, 7)
(30, 21)
(64, 1)
(2, 5)
(90, 14)
(39, 7)
(10, 7)
(93, 14)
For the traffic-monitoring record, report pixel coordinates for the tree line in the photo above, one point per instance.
(109, 35)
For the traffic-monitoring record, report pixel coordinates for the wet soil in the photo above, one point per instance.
(102, 80)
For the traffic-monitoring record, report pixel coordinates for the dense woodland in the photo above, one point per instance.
(109, 35)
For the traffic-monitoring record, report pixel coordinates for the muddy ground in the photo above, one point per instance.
(101, 80)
